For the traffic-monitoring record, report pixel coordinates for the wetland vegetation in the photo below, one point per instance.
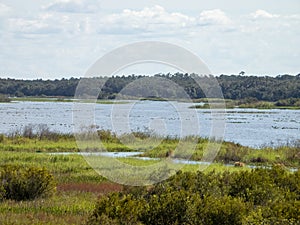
(291, 103)
(4, 98)
(218, 195)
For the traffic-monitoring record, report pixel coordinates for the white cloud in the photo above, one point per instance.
(73, 6)
(147, 19)
(267, 23)
(157, 20)
(263, 14)
(30, 26)
(294, 16)
(51, 23)
(214, 17)
(4, 9)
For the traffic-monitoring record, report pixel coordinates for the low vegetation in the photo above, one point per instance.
(30, 173)
(3, 98)
(25, 183)
(290, 103)
(259, 196)
(71, 201)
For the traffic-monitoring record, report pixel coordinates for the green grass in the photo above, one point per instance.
(36, 145)
(66, 168)
(62, 208)
(217, 167)
(69, 144)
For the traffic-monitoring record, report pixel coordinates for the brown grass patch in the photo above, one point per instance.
(102, 188)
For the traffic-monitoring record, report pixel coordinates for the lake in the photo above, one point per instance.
(249, 127)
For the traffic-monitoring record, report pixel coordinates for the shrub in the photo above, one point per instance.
(256, 186)
(170, 207)
(231, 152)
(288, 102)
(259, 159)
(2, 192)
(2, 138)
(219, 211)
(260, 196)
(117, 209)
(26, 183)
(3, 98)
(108, 136)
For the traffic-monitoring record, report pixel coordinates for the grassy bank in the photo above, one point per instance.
(79, 187)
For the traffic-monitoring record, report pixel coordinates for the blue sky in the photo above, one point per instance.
(52, 39)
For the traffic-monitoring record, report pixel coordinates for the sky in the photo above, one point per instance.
(52, 39)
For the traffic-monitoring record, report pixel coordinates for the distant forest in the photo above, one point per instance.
(233, 87)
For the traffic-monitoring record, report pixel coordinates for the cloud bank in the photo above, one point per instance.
(66, 36)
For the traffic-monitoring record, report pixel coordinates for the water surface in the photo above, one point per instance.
(250, 127)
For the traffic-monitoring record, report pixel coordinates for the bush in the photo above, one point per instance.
(108, 136)
(260, 196)
(288, 102)
(25, 183)
(170, 207)
(2, 192)
(231, 152)
(219, 211)
(2, 138)
(117, 209)
(257, 186)
(3, 98)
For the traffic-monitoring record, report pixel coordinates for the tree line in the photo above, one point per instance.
(234, 87)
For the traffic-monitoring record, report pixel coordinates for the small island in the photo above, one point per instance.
(253, 103)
